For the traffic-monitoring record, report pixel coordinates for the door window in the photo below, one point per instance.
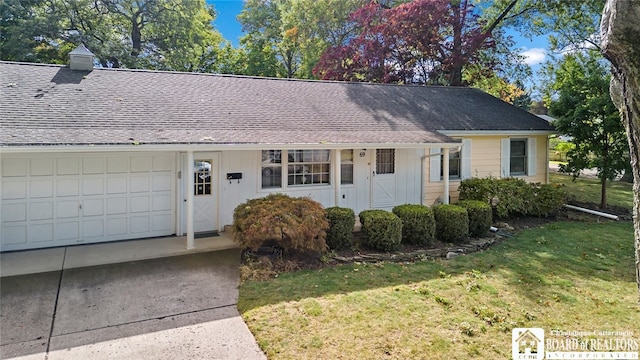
(202, 173)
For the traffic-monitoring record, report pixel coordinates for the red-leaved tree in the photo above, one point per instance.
(423, 41)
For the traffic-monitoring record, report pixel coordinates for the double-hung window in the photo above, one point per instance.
(454, 165)
(518, 157)
(346, 167)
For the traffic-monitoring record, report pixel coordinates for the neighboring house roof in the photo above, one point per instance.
(53, 105)
(547, 117)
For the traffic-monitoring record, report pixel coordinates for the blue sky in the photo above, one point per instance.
(534, 50)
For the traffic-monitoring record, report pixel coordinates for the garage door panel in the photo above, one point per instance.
(93, 228)
(161, 202)
(14, 234)
(117, 226)
(41, 211)
(139, 204)
(93, 165)
(162, 163)
(65, 199)
(93, 207)
(117, 164)
(68, 209)
(68, 230)
(117, 185)
(14, 190)
(68, 187)
(41, 232)
(41, 189)
(68, 166)
(14, 212)
(139, 224)
(116, 206)
(140, 163)
(139, 184)
(42, 166)
(14, 167)
(93, 186)
(162, 182)
(162, 222)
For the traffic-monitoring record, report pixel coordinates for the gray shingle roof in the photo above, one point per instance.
(51, 105)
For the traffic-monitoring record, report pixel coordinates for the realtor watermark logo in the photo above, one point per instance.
(531, 344)
(527, 343)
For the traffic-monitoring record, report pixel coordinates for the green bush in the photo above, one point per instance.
(548, 199)
(382, 230)
(292, 223)
(418, 224)
(341, 223)
(511, 196)
(480, 216)
(452, 223)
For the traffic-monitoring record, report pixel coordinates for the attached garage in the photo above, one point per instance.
(66, 199)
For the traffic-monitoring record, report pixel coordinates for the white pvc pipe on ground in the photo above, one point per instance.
(593, 212)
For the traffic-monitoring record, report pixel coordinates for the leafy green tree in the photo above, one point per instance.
(159, 34)
(26, 28)
(579, 100)
(285, 38)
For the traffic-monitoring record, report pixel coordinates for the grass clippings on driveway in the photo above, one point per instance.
(567, 276)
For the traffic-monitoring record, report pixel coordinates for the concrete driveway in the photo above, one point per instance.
(181, 307)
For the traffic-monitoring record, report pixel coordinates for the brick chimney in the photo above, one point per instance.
(81, 59)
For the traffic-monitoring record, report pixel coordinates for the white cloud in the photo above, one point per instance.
(534, 56)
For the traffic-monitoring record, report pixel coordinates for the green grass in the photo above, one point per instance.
(588, 190)
(569, 275)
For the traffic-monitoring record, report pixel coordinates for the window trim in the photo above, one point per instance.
(525, 157)
(532, 151)
(284, 174)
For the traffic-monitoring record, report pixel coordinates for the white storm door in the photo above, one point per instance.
(205, 191)
(383, 178)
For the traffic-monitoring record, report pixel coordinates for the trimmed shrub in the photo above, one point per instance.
(511, 196)
(292, 223)
(548, 199)
(382, 230)
(452, 223)
(341, 223)
(418, 224)
(480, 216)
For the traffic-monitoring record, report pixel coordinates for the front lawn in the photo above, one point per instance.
(587, 190)
(568, 275)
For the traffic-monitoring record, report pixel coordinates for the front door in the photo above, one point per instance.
(383, 180)
(205, 192)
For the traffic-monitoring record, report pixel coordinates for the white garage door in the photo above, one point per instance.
(53, 200)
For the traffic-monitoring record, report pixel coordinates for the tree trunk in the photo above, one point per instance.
(603, 193)
(621, 45)
(455, 73)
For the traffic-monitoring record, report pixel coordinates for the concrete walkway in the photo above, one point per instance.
(178, 307)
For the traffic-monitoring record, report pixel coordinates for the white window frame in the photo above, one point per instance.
(530, 157)
(285, 173)
(435, 164)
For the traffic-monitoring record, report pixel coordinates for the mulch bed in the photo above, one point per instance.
(279, 262)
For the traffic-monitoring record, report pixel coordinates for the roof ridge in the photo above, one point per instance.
(238, 76)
